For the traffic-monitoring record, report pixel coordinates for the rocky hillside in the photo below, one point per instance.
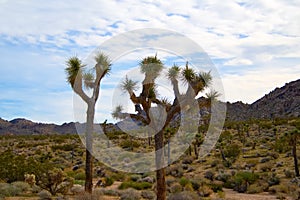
(280, 103)
(22, 126)
(27, 127)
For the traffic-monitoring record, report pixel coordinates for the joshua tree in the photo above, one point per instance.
(293, 139)
(78, 78)
(152, 67)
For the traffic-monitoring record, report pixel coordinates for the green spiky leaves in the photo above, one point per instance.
(129, 85)
(173, 72)
(74, 68)
(151, 66)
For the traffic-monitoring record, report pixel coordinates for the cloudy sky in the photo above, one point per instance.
(254, 45)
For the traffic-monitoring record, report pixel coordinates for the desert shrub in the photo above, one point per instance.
(79, 176)
(187, 160)
(97, 194)
(216, 186)
(115, 135)
(273, 180)
(118, 176)
(184, 181)
(265, 167)
(252, 162)
(225, 135)
(135, 185)
(129, 144)
(214, 163)
(23, 186)
(188, 187)
(243, 179)
(36, 189)
(254, 188)
(44, 195)
(8, 190)
(274, 155)
(264, 159)
(232, 151)
(14, 167)
(247, 176)
(109, 181)
(135, 177)
(130, 194)
(265, 124)
(11, 167)
(289, 174)
(63, 147)
(294, 191)
(209, 175)
(175, 188)
(111, 192)
(55, 181)
(77, 189)
(175, 170)
(184, 195)
(170, 180)
(281, 145)
(224, 177)
(205, 191)
(79, 182)
(148, 194)
(278, 189)
(196, 183)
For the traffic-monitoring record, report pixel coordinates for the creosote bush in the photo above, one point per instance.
(184, 195)
(130, 194)
(135, 185)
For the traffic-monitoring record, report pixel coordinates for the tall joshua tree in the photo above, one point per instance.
(79, 78)
(293, 139)
(152, 67)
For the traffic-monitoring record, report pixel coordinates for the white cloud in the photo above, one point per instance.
(238, 62)
(263, 35)
(251, 86)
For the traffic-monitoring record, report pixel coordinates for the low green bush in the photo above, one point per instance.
(79, 176)
(63, 147)
(109, 181)
(8, 190)
(243, 179)
(129, 144)
(135, 185)
(184, 181)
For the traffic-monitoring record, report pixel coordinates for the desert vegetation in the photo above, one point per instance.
(251, 157)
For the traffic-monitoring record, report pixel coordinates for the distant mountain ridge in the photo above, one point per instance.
(280, 103)
(22, 126)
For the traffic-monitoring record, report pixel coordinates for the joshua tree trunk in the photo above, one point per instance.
(294, 151)
(223, 155)
(89, 148)
(196, 150)
(160, 172)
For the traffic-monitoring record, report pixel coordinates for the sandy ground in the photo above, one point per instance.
(229, 195)
(232, 195)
